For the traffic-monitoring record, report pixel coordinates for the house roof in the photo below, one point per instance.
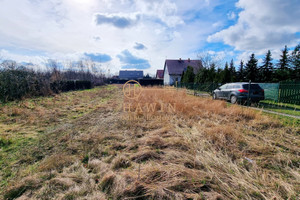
(160, 73)
(127, 74)
(176, 67)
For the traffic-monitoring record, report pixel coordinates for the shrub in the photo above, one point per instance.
(64, 86)
(18, 83)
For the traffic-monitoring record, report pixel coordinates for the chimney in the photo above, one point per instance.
(189, 59)
(179, 59)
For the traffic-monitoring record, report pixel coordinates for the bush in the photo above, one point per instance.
(64, 86)
(18, 83)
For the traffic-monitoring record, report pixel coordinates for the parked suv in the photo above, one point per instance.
(238, 92)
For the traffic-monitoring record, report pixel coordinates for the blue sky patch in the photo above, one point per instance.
(139, 46)
(98, 57)
(132, 62)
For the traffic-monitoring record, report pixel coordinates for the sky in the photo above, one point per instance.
(141, 34)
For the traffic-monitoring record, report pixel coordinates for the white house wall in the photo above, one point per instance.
(170, 79)
(173, 79)
(166, 76)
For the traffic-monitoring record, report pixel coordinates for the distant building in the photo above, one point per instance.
(173, 69)
(160, 74)
(131, 74)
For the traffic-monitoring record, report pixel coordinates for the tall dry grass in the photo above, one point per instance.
(204, 149)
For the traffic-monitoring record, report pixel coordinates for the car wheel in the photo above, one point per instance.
(233, 99)
(214, 96)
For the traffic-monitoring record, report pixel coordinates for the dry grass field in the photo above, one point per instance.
(86, 145)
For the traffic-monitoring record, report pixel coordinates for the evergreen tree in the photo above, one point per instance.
(201, 76)
(211, 73)
(295, 62)
(232, 71)
(282, 71)
(226, 77)
(218, 77)
(182, 75)
(284, 60)
(266, 70)
(241, 72)
(189, 75)
(251, 69)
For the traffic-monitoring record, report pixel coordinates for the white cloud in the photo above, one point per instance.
(117, 20)
(164, 11)
(7, 55)
(66, 29)
(217, 24)
(231, 15)
(262, 25)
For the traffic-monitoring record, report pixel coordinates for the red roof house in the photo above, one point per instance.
(160, 74)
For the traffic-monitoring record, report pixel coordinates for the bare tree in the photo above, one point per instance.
(208, 59)
(56, 74)
(9, 64)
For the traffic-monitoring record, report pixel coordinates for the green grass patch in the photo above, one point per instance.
(281, 104)
(15, 154)
(290, 109)
(271, 103)
(289, 112)
(4, 142)
(285, 120)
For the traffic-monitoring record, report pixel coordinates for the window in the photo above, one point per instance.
(253, 86)
(229, 86)
(223, 87)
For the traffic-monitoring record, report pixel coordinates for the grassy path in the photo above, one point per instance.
(274, 112)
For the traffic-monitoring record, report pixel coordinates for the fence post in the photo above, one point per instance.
(279, 85)
(249, 88)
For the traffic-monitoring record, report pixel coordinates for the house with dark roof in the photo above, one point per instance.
(173, 69)
(160, 74)
(130, 74)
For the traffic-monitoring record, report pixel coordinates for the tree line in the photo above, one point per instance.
(18, 82)
(287, 68)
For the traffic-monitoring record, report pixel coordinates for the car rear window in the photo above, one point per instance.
(237, 86)
(253, 86)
